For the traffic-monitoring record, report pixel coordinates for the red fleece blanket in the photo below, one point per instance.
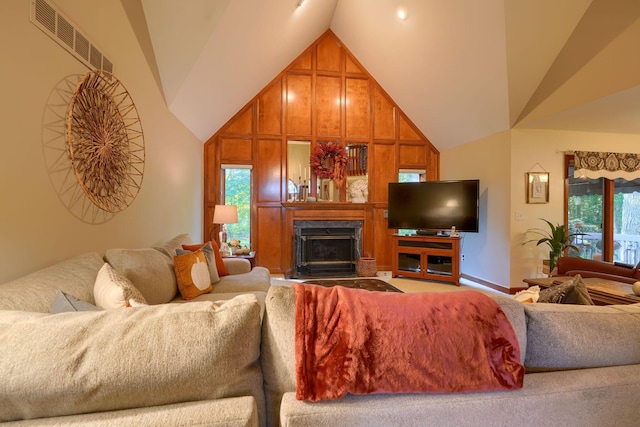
(360, 342)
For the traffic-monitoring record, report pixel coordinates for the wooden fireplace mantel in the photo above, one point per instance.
(322, 206)
(327, 211)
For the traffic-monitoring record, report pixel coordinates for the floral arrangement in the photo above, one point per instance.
(329, 161)
(237, 248)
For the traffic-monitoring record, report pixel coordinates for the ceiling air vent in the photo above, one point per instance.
(60, 28)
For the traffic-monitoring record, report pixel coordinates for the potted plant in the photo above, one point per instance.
(558, 240)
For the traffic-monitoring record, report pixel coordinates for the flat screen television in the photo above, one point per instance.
(434, 206)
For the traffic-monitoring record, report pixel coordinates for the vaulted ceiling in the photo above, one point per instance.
(460, 69)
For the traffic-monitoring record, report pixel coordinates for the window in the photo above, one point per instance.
(411, 175)
(605, 211)
(237, 191)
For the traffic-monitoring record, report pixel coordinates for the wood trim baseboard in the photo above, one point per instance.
(510, 291)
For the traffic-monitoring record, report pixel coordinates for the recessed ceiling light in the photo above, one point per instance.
(402, 13)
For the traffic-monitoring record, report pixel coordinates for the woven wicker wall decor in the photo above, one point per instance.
(105, 141)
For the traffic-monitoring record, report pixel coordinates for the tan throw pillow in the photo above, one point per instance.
(192, 272)
(112, 290)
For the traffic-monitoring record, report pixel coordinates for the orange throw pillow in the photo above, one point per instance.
(192, 272)
(220, 265)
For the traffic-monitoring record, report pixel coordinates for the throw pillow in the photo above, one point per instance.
(207, 249)
(112, 290)
(555, 293)
(221, 267)
(578, 294)
(192, 273)
(530, 295)
(64, 302)
(572, 291)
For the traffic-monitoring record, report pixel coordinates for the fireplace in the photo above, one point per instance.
(326, 248)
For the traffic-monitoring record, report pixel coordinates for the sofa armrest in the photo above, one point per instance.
(237, 265)
(571, 265)
(585, 274)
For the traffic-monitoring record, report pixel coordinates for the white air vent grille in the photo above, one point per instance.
(82, 46)
(65, 31)
(61, 29)
(45, 15)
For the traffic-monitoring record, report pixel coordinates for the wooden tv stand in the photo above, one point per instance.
(426, 257)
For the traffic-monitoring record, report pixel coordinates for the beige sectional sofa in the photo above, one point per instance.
(228, 358)
(583, 369)
(163, 364)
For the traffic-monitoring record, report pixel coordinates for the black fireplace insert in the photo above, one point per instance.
(326, 248)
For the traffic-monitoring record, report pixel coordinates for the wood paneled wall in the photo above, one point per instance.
(323, 95)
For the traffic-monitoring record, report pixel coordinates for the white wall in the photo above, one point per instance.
(487, 160)
(497, 253)
(36, 229)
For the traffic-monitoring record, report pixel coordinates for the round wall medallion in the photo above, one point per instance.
(105, 142)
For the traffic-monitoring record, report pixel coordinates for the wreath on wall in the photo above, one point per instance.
(329, 161)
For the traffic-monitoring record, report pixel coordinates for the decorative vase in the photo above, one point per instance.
(366, 267)
(224, 250)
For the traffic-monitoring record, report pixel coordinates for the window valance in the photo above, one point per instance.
(594, 165)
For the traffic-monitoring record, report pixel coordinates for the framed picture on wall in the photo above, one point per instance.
(537, 187)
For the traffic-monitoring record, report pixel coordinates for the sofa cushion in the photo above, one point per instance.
(113, 290)
(64, 302)
(36, 291)
(565, 336)
(585, 397)
(150, 271)
(72, 363)
(211, 261)
(258, 279)
(192, 273)
(236, 265)
(169, 247)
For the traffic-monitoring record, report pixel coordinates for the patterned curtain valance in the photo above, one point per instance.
(594, 165)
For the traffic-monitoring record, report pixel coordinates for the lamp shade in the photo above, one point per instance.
(225, 214)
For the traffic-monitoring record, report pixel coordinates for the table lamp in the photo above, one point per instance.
(223, 215)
